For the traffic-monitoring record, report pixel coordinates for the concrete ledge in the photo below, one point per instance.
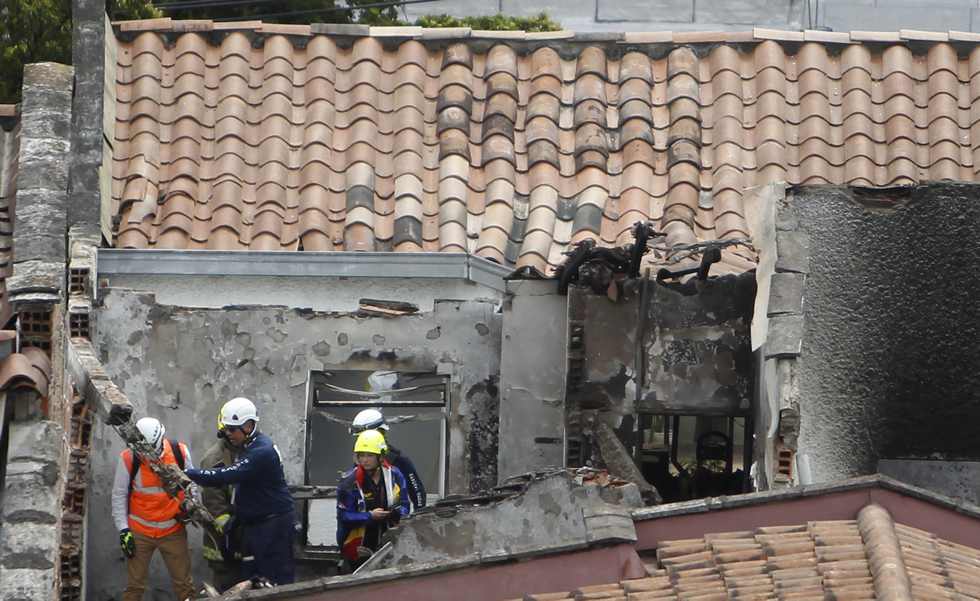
(800, 492)
(500, 566)
(113, 261)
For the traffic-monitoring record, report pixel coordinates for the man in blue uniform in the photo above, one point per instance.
(372, 419)
(263, 505)
(370, 499)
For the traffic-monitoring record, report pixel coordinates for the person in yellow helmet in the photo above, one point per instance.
(226, 569)
(370, 499)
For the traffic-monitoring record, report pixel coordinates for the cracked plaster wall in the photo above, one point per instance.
(888, 368)
(532, 377)
(181, 364)
(345, 292)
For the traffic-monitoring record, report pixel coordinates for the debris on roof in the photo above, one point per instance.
(526, 515)
(385, 308)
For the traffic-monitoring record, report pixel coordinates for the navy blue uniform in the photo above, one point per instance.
(354, 508)
(263, 506)
(416, 490)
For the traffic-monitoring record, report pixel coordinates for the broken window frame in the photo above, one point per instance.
(581, 451)
(672, 428)
(395, 412)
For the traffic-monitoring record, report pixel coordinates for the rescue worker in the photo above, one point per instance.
(148, 518)
(225, 570)
(263, 505)
(370, 499)
(372, 419)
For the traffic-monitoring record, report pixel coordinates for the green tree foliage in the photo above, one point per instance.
(33, 31)
(40, 30)
(498, 22)
(125, 10)
(366, 12)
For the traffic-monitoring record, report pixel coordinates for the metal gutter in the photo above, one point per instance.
(488, 273)
(116, 261)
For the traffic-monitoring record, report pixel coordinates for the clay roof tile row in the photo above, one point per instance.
(371, 139)
(856, 560)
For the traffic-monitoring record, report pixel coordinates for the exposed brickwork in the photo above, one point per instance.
(73, 504)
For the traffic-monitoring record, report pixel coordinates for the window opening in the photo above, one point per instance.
(684, 456)
(415, 405)
(692, 457)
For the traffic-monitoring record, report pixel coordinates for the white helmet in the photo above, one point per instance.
(237, 411)
(369, 419)
(152, 431)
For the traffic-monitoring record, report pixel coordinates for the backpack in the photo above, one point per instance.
(178, 455)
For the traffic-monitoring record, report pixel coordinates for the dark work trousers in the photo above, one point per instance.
(270, 545)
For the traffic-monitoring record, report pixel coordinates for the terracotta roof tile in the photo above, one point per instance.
(855, 560)
(508, 154)
(30, 368)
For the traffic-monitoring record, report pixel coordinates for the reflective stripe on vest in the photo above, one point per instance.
(152, 511)
(150, 524)
(389, 486)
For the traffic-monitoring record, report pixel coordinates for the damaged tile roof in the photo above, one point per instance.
(513, 146)
(868, 558)
(9, 157)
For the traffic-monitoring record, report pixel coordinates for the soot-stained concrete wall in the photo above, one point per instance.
(532, 377)
(956, 479)
(695, 346)
(889, 364)
(181, 364)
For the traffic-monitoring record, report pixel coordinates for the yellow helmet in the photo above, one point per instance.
(371, 441)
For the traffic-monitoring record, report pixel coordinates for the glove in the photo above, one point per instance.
(221, 521)
(127, 543)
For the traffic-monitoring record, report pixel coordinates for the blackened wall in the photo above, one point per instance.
(694, 348)
(890, 365)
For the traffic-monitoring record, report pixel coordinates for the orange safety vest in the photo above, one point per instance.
(152, 512)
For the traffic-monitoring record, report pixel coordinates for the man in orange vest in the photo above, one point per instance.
(147, 517)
